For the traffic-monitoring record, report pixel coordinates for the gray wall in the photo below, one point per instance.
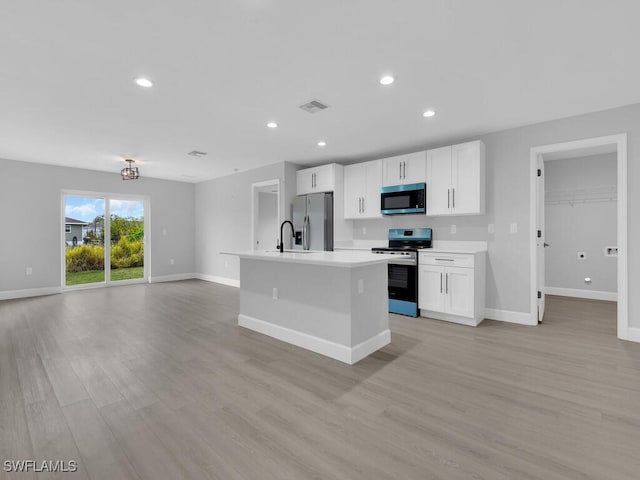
(585, 222)
(223, 210)
(508, 177)
(30, 196)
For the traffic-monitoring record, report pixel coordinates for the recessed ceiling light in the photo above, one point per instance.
(322, 143)
(144, 82)
(387, 80)
(429, 113)
(272, 125)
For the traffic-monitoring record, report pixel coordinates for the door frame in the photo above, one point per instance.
(255, 189)
(620, 142)
(107, 235)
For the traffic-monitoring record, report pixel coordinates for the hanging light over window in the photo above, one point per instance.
(129, 172)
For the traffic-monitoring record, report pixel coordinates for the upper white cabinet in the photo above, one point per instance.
(362, 183)
(455, 178)
(316, 179)
(404, 169)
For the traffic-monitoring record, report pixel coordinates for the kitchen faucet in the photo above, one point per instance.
(292, 234)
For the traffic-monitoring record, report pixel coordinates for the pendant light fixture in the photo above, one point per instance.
(129, 172)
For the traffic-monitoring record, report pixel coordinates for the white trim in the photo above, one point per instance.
(620, 140)
(633, 334)
(29, 292)
(581, 293)
(521, 318)
(215, 279)
(329, 349)
(173, 278)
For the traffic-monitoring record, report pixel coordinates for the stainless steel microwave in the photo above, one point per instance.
(403, 199)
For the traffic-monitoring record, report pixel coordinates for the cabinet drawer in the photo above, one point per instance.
(447, 259)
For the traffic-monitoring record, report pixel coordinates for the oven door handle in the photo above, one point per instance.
(408, 261)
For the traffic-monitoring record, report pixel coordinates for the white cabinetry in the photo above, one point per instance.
(404, 169)
(451, 286)
(362, 183)
(455, 178)
(316, 179)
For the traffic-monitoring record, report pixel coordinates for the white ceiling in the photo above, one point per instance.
(223, 69)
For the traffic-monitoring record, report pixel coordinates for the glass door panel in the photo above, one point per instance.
(126, 222)
(84, 240)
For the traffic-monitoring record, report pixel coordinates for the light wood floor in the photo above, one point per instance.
(158, 382)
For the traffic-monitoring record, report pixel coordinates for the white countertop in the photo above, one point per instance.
(466, 251)
(351, 258)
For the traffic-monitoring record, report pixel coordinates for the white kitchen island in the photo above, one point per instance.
(332, 303)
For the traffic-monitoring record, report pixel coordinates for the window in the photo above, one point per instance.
(67, 229)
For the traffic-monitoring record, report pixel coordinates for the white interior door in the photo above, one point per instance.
(540, 234)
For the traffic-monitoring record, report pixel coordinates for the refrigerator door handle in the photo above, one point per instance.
(305, 233)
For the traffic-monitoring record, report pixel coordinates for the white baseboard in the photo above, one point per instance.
(520, 318)
(215, 279)
(333, 350)
(579, 293)
(172, 278)
(29, 292)
(633, 334)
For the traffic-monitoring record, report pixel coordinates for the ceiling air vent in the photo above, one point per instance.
(314, 106)
(197, 153)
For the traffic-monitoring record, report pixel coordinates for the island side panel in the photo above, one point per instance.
(312, 299)
(369, 306)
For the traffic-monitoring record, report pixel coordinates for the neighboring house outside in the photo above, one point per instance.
(73, 231)
(95, 227)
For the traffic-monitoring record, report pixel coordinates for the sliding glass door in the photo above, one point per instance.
(126, 221)
(104, 240)
(84, 240)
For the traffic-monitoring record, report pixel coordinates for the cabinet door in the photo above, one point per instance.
(304, 181)
(392, 171)
(413, 167)
(439, 181)
(372, 182)
(459, 291)
(353, 191)
(431, 288)
(467, 172)
(325, 179)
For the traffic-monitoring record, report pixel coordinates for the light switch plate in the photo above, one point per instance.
(513, 228)
(453, 229)
(491, 228)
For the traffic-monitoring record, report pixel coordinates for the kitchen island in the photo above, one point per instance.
(332, 303)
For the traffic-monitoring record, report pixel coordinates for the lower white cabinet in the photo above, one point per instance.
(451, 286)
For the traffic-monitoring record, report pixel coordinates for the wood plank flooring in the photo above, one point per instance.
(157, 381)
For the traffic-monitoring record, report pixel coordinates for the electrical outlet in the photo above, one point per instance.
(453, 229)
(513, 228)
(582, 255)
(164, 231)
(172, 261)
(360, 285)
(491, 228)
(226, 264)
(275, 293)
(28, 271)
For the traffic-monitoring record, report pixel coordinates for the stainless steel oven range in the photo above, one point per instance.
(403, 272)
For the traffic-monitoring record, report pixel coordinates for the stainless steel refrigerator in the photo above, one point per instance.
(313, 221)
